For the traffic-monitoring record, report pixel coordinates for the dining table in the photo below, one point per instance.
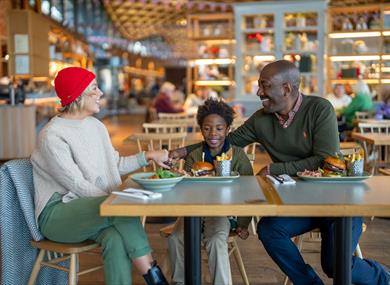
(256, 196)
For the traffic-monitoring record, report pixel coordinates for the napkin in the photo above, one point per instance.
(138, 194)
(283, 179)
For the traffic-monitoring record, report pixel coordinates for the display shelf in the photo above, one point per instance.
(213, 63)
(283, 30)
(358, 46)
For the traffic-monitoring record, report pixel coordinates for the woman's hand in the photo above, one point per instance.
(159, 156)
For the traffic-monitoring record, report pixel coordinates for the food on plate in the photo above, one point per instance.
(222, 157)
(311, 173)
(202, 168)
(163, 173)
(333, 167)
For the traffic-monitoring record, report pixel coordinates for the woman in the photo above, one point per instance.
(75, 167)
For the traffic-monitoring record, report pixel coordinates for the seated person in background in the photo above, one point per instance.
(214, 118)
(163, 103)
(338, 98)
(361, 102)
(194, 100)
(383, 110)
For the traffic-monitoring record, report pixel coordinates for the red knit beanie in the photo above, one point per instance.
(70, 82)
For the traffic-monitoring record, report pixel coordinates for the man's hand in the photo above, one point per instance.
(159, 156)
(175, 155)
(242, 232)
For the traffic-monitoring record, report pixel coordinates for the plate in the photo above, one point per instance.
(234, 175)
(365, 176)
(159, 185)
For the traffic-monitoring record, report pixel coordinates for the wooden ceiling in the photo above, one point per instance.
(140, 19)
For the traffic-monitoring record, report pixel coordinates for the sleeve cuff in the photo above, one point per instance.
(141, 159)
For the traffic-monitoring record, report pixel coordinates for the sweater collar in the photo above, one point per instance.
(290, 116)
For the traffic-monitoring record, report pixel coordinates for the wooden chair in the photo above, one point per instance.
(374, 151)
(362, 115)
(163, 128)
(175, 116)
(316, 235)
(67, 251)
(237, 122)
(190, 124)
(158, 141)
(385, 171)
(232, 247)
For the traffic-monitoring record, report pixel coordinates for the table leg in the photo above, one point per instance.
(192, 256)
(342, 252)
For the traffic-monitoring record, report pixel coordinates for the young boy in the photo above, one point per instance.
(214, 118)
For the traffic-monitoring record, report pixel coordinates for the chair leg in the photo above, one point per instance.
(240, 263)
(36, 268)
(72, 278)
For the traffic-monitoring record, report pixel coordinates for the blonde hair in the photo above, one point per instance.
(78, 104)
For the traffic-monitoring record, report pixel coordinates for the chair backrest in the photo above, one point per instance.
(158, 141)
(362, 115)
(250, 151)
(163, 128)
(238, 121)
(380, 127)
(173, 126)
(18, 226)
(175, 116)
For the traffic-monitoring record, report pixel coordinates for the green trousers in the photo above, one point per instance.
(121, 238)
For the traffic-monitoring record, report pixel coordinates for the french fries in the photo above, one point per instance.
(223, 156)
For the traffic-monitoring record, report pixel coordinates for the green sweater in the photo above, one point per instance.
(360, 103)
(240, 164)
(311, 136)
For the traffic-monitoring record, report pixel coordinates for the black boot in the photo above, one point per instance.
(155, 276)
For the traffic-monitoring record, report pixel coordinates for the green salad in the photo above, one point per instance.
(163, 173)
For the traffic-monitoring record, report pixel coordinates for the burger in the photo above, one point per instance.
(202, 168)
(333, 167)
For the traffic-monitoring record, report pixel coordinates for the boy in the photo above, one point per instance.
(214, 118)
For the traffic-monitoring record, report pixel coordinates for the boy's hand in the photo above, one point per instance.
(242, 232)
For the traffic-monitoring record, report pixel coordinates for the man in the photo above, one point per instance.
(297, 131)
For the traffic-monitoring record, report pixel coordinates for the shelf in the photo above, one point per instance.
(298, 52)
(301, 29)
(354, 57)
(212, 61)
(351, 80)
(213, 38)
(355, 34)
(214, 82)
(254, 30)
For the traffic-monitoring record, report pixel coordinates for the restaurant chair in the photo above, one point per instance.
(18, 228)
(232, 247)
(163, 128)
(385, 171)
(158, 141)
(374, 152)
(316, 235)
(175, 116)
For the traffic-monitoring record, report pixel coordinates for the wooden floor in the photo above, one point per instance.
(375, 242)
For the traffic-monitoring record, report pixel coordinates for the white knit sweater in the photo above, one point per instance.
(77, 156)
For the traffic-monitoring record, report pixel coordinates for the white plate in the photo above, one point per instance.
(335, 179)
(234, 175)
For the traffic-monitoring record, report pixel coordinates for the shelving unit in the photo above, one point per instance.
(269, 31)
(213, 62)
(359, 46)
